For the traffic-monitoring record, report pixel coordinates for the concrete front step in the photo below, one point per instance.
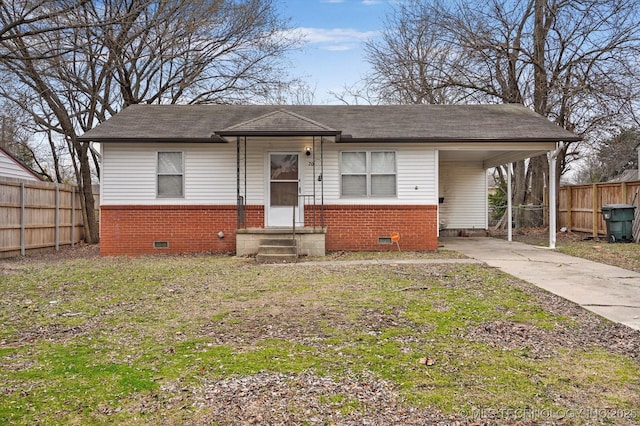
(276, 258)
(310, 241)
(286, 242)
(277, 250)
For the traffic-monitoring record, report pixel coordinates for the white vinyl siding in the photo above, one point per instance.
(9, 168)
(129, 172)
(463, 185)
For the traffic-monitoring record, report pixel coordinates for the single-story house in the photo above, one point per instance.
(198, 178)
(13, 168)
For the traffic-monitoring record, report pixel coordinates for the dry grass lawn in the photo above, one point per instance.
(221, 340)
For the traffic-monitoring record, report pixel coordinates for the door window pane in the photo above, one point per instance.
(284, 193)
(284, 167)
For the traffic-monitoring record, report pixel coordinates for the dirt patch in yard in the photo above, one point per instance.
(80, 251)
(291, 399)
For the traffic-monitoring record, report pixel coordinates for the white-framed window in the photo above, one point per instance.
(170, 183)
(368, 174)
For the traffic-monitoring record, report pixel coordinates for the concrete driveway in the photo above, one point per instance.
(609, 291)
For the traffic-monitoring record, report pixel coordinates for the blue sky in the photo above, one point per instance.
(335, 31)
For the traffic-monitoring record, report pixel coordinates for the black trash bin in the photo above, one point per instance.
(619, 220)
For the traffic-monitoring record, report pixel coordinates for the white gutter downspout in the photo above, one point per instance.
(552, 196)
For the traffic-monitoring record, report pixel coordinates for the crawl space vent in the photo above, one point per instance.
(161, 244)
(384, 240)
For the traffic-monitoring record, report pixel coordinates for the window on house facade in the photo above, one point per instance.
(170, 175)
(368, 174)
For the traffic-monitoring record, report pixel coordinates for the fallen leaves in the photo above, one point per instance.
(427, 361)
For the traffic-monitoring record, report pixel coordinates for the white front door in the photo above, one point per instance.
(283, 201)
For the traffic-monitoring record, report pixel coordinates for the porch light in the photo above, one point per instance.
(307, 151)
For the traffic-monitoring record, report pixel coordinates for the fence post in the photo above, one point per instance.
(23, 249)
(57, 218)
(595, 202)
(569, 201)
(623, 187)
(73, 216)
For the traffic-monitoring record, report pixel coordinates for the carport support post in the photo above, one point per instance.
(509, 204)
(552, 198)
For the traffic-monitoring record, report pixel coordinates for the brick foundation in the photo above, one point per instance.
(132, 230)
(357, 227)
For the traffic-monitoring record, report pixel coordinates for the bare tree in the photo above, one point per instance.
(573, 62)
(432, 52)
(409, 60)
(294, 92)
(115, 53)
(20, 18)
(191, 51)
(13, 135)
(612, 157)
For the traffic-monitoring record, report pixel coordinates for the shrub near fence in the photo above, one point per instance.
(580, 206)
(37, 215)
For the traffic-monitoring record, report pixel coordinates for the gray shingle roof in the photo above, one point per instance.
(420, 123)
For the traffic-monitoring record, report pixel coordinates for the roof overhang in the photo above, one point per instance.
(494, 154)
(439, 140)
(501, 158)
(212, 139)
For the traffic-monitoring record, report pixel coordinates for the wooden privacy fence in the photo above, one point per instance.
(36, 215)
(580, 206)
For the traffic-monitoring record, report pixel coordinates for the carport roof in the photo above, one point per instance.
(380, 123)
